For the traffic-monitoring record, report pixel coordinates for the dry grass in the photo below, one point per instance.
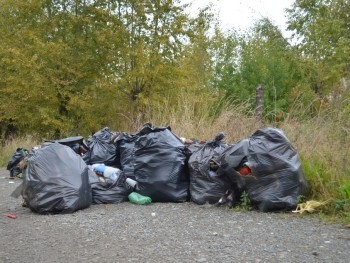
(201, 120)
(323, 142)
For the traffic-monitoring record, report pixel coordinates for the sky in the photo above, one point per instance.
(241, 14)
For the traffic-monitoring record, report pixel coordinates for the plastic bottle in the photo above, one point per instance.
(112, 173)
(107, 171)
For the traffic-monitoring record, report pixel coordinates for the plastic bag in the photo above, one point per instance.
(203, 186)
(77, 143)
(276, 177)
(102, 149)
(56, 180)
(126, 150)
(109, 191)
(139, 199)
(16, 158)
(156, 159)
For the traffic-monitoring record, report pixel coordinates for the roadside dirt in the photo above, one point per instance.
(164, 232)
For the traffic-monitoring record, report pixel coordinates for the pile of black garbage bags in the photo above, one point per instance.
(57, 175)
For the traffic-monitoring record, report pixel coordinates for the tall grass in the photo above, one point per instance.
(322, 142)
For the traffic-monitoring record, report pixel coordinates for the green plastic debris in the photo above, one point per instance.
(138, 199)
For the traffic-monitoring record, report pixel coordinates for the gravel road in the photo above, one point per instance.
(164, 232)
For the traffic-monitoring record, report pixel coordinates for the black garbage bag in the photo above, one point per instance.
(268, 168)
(16, 158)
(159, 164)
(205, 185)
(77, 143)
(125, 152)
(109, 191)
(56, 180)
(102, 149)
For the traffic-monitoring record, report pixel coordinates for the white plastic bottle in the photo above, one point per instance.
(112, 173)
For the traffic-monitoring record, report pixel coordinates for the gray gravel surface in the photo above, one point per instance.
(164, 232)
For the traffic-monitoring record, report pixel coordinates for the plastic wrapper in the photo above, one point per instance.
(139, 199)
(275, 178)
(56, 180)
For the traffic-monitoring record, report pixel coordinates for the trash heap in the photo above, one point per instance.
(267, 167)
(155, 165)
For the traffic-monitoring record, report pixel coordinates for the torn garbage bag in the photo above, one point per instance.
(268, 168)
(157, 161)
(56, 180)
(203, 186)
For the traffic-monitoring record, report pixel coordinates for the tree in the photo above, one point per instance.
(78, 65)
(53, 55)
(262, 57)
(322, 30)
(148, 60)
(226, 61)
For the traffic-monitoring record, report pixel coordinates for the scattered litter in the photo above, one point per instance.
(155, 165)
(308, 206)
(11, 216)
(136, 198)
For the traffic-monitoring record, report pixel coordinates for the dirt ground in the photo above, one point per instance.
(164, 232)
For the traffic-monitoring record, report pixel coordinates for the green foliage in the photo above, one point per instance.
(341, 204)
(245, 201)
(345, 191)
(320, 178)
(301, 199)
(54, 61)
(73, 66)
(262, 57)
(322, 30)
